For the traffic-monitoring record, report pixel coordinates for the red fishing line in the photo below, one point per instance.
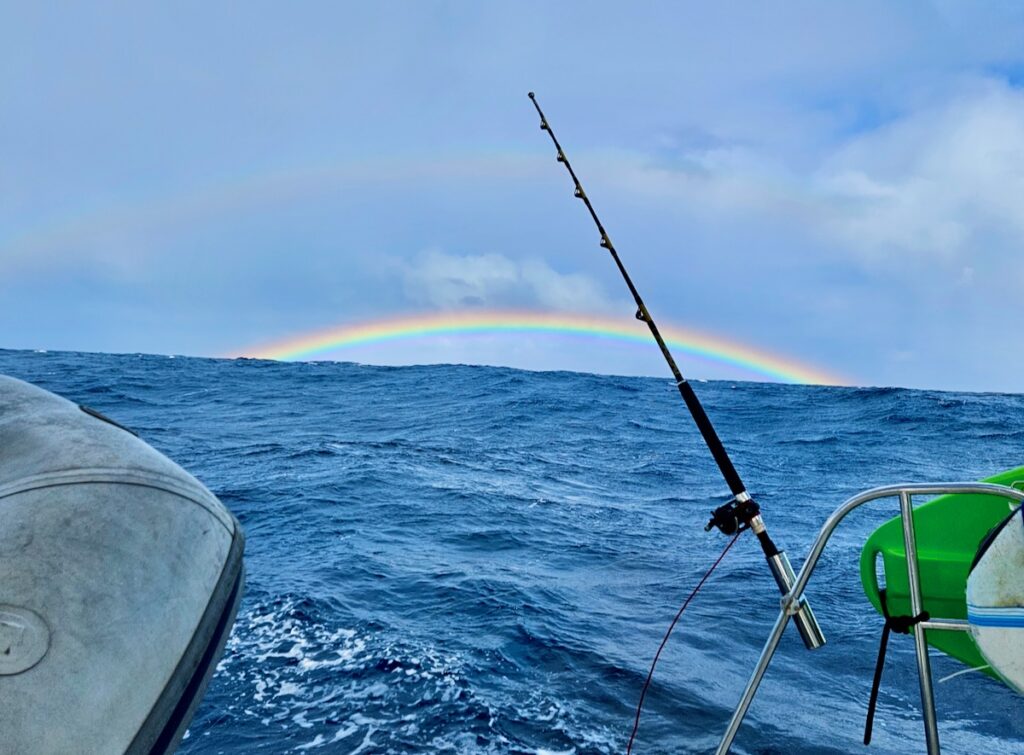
(664, 641)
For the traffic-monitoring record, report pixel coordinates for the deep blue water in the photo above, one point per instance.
(473, 559)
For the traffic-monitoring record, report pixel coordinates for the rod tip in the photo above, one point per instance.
(531, 95)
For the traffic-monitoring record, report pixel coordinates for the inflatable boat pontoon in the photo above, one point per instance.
(120, 576)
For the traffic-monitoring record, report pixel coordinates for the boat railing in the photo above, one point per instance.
(791, 601)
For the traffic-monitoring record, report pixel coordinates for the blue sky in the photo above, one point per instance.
(842, 184)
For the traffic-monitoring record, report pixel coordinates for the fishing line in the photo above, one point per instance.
(664, 641)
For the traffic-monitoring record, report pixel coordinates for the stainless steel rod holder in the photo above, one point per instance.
(782, 570)
(803, 616)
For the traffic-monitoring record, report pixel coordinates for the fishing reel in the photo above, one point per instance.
(739, 515)
(734, 516)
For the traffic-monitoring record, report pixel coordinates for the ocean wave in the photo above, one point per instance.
(481, 560)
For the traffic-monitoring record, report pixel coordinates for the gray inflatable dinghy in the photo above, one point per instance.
(120, 577)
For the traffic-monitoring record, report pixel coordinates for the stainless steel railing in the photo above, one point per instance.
(791, 601)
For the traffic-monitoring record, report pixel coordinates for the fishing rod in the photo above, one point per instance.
(741, 512)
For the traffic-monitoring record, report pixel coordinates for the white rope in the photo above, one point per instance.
(963, 671)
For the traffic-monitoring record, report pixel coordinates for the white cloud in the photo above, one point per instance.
(940, 184)
(450, 281)
(936, 182)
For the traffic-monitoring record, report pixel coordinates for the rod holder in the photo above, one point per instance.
(803, 616)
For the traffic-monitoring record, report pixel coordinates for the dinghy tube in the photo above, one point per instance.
(120, 577)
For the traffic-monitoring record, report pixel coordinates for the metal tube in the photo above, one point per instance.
(941, 488)
(753, 684)
(806, 623)
(949, 625)
(924, 670)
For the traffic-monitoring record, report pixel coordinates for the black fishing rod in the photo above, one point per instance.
(742, 512)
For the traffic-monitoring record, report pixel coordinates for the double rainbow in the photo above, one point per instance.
(331, 341)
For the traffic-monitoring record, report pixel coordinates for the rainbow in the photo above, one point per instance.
(308, 346)
(253, 188)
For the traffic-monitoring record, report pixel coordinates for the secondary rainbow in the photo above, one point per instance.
(308, 346)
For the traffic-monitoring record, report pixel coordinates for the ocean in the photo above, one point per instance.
(461, 559)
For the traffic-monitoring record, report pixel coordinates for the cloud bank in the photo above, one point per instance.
(934, 185)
